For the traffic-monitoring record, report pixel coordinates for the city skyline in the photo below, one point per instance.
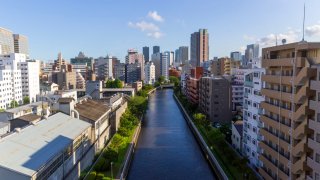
(63, 27)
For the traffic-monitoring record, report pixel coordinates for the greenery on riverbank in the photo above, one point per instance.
(117, 148)
(235, 167)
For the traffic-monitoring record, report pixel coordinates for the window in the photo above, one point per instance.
(316, 176)
(318, 117)
(317, 158)
(318, 138)
(318, 96)
(254, 142)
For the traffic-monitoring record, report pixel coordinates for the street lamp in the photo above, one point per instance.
(111, 171)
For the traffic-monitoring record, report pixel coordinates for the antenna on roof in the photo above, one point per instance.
(304, 18)
(276, 40)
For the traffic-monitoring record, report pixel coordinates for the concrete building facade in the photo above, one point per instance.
(199, 47)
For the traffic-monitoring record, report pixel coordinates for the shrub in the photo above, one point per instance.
(100, 176)
(92, 175)
(111, 154)
(124, 132)
(117, 140)
(99, 164)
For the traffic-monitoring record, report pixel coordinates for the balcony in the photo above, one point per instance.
(304, 74)
(300, 114)
(313, 165)
(299, 149)
(264, 173)
(315, 84)
(275, 124)
(283, 158)
(301, 130)
(277, 79)
(275, 109)
(312, 144)
(314, 125)
(267, 162)
(274, 138)
(303, 93)
(300, 165)
(248, 83)
(300, 62)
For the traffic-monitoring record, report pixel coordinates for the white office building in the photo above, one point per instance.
(150, 73)
(19, 78)
(30, 78)
(251, 115)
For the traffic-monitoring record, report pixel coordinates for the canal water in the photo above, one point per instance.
(166, 147)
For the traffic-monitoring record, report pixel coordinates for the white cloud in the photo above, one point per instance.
(155, 16)
(155, 35)
(270, 40)
(242, 49)
(249, 38)
(144, 26)
(313, 30)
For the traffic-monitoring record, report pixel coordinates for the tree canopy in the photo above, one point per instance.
(26, 100)
(14, 104)
(114, 84)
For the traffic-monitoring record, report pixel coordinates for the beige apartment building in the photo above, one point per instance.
(290, 147)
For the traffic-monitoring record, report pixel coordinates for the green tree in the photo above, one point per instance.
(174, 80)
(26, 100)
(138, 105)
(216, 136)
(14, 104)
(161, 79)
(114, 83)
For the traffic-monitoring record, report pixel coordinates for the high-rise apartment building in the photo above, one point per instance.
(252, 52)
(290, 144)
(133, 72)
(192, 84)
(120, 71)
(183, 54)
(235, 56)
(6, 41)
(103, 67)
(251, 115)
(215, 99)
(145, 51)
(199, 47)
(150, 74)
(156, 49)
(19, 77)
(164, 64)
(30, 79)
(21, 44)
(156, 59)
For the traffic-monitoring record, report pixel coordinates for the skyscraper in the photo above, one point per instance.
(183, 54)
(145, 51)
(21, 44)
(251, 53)
(150, 75)
(199, 47)
(165, 61)
(6, 41)
(156, 49)
(235, 55)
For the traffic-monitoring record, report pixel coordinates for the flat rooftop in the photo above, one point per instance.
(31, 148)
(25, 107)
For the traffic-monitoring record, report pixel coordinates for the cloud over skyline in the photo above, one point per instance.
(155, 16)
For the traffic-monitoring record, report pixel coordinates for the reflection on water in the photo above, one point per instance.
(166, 148)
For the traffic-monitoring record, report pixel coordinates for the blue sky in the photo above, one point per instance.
(101, 27)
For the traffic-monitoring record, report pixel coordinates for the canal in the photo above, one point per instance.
(166, 147)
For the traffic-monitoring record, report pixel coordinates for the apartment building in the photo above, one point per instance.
(290, 131)
(251, 115)
(215, 99)
(150, 73)
(19, 77)
(192, 85)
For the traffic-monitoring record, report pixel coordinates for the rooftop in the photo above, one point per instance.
(91, 109)
(239, 126)
(26, 107)
(29, 117)
(31, 148)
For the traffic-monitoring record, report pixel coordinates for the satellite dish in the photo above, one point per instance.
(284, 41)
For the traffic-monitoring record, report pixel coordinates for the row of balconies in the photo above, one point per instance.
(299, 62)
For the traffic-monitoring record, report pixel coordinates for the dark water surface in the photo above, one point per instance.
(166, 148)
